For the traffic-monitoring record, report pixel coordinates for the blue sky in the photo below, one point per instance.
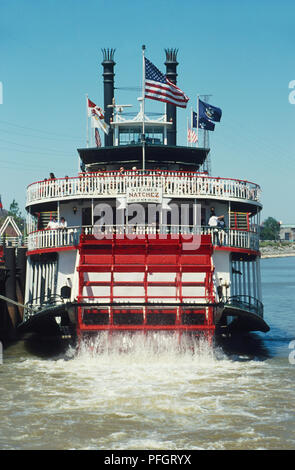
(241, 53)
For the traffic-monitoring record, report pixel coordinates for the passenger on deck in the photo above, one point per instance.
(221, 226)
(62, 223)
(215, 220)
(65, 186)
(213, 223)
(53, 223)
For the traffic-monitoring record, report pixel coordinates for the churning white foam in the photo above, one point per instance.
(148, 347)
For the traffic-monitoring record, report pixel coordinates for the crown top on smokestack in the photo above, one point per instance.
(171, 55)
(108, 54)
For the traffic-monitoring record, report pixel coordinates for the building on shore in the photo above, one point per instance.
(287, 232)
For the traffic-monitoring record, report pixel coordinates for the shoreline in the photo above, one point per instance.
(282, 255)
(277, 252)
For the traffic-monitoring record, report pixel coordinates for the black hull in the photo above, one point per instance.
(242, 320)
(230, 319)
(44, 324)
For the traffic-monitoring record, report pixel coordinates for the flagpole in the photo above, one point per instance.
(87, 120)
(191, 120)
(143, 102)
(187, 140)
(198, 120)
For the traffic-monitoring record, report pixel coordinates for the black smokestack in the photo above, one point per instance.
(108, 82)
(171, 65)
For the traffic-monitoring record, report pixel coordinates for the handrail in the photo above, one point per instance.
(36, 304)
(246, 301)
(116, 184)
(13, 241)
(53, 238)
(157, 172)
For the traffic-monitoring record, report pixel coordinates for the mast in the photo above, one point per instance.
(198, 119)
(87, 125)
(206, 138)
(142, 107)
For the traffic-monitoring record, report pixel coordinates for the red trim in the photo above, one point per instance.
(68, 248)
(50, 250)
(236, 250)
(148, 327)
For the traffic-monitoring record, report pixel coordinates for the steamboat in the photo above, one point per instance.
(168, 270)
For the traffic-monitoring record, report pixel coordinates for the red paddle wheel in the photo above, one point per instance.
(141, 283)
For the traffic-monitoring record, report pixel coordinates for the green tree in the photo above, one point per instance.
(270, 229)
(15, 212)
(14, 209)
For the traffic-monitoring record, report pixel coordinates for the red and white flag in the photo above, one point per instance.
(97, 117)
(192, 136)
(93, 107)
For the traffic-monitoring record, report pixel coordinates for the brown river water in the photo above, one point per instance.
(151, 393)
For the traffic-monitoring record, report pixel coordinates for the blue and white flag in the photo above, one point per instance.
(210, 112)
(204, 123)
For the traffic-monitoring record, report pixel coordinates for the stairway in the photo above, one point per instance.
(44, 218)
(132, 283)
(239, 220)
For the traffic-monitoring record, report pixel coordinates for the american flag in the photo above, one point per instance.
(97, 138)
(192, 136)
(158, 87)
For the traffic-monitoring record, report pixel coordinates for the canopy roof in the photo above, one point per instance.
(160, 154)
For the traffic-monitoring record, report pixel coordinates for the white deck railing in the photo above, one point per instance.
(59, 238)
(13, 241)
(112, 184)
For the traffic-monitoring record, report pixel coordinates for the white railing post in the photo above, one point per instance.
(113, 184)
(69, 237)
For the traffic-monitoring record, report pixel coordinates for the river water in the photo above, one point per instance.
(153, 394)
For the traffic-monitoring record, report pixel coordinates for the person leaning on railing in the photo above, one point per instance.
(62, 223)
(63, 235)
(52, 224)
(213, 223)
(221, 227)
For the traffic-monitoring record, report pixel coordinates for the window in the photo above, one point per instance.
(132, 135)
